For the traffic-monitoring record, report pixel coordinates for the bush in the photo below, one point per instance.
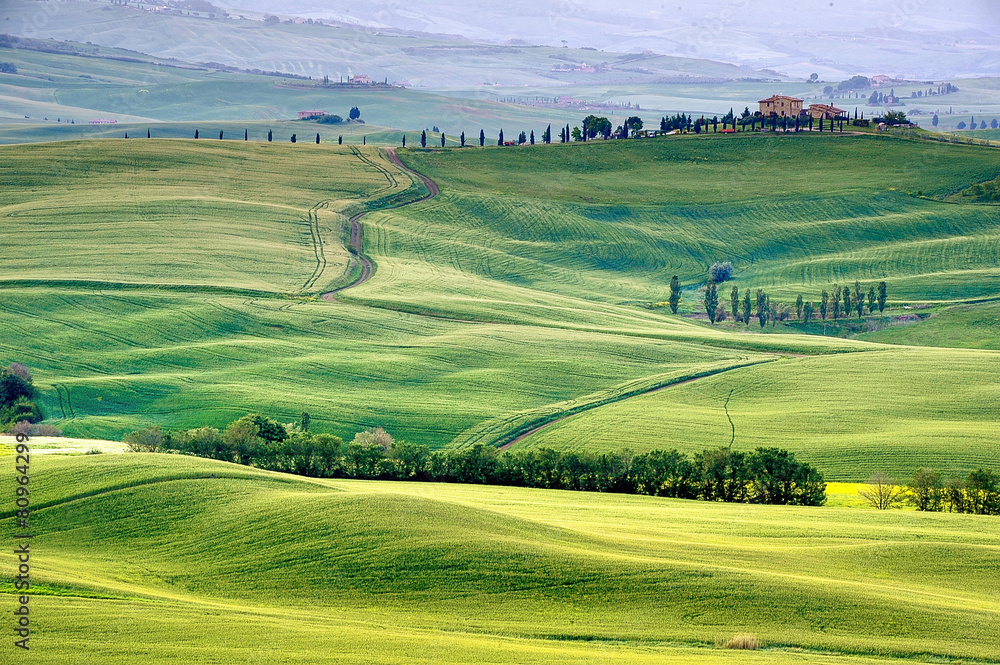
(7, 68)
(146, 440)
(720, 272)
(22, 409)
(330, 119)
(744, 641)
(373, 436)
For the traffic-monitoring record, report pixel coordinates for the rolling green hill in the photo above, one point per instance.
(517, 296)
(135, 550)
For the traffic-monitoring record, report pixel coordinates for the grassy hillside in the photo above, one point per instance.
(139, 549)
(517, 296)
(228, 214)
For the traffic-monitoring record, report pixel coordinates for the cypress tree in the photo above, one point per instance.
(871, 300)
(442, 139)
(340, 140)
(675, 293)
(246, 134)
(293, 139)
(269, 136)
(147, 133)
(482, 138)
(746, 306)
(220, 134)
(500, 140)
(824, 305)
(807, 311)
(317, 138)
(711, 300)
(404, 140)
(881, 297)
(462, 139)
(798, 307)
(196, 133)
(847, 301)
(762, 307)
(531, 139)
(547, 137)
(859, 299)
(734, 300)
(835, 298)
(423, 138)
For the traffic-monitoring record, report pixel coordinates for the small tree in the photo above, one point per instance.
(317, 139)
(720, 272)
(146, 440)
(848, 303)
(807, 312)
(859, 299)
(734, 301)
(675, 293)
(835, 301)
(881, 297)
(461, 139)
(798, 307)
(762, 307)
(500, 140)
(872, 300)
(883, 492)
(304, 422)
(269, 136)
(926, 490)
(711, 300)
(482, 138)
(824, 304)
(354, 113)
(293, 138)
(442, 139)
(746, 306)
(522, 138)
(423, 138)
(531, 138)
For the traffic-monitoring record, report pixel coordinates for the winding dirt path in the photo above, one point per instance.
(358, 233)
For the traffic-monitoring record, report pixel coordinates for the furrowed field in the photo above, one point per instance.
(174, 283)
(141, 549)
(179, 283)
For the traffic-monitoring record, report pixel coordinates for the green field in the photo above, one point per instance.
(135, 550)
(518, 296)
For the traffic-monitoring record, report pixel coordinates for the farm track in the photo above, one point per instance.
(357, 231)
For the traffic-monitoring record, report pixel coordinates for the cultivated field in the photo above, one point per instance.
(519, 295)
(134, 550)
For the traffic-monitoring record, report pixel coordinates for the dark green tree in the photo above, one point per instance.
(835, 298)
(798, 307)
(762, 308)
(482, 138)
(304, 422)
(442, 139)
(746, 306)
(269, 136)
(872, 300)
(354, 113)
(500, 140)
(675, 293)
(881, 297)
(423, 138)
(196, 133)
(461, 140)
(807, 311)
(711, 300)
(317, 139)
(859, 299)
(847, 301)
(734, 301)
(824, 305)
(293, 138)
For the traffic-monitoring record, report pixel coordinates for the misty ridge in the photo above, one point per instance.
(903, 38)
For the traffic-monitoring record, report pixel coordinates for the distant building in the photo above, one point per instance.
(880, 80)
(825, 111)
(360, 79)
(307, 115)
(101, 121)
(781, 106)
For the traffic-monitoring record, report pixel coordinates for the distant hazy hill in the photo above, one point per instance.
(342, 50)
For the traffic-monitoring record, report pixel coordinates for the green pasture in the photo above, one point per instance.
(140, 549)
(849, 415)
(251, 216)
(519, 295)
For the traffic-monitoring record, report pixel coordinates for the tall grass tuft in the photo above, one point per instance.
(744, 641)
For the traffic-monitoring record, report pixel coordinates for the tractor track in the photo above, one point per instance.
(357, 230)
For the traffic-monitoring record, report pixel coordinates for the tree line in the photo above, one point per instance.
(928, 490)
(763, 476)
(840, 302)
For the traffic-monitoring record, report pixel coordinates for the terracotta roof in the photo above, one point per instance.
(774, 98)
(830, 108)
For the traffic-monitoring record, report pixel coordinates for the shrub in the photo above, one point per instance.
(329, 119)
(17, 369)
(373, 436)
(744, 641)
(720, 272)
(146, 440)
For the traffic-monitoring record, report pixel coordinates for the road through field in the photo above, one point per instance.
(357, 231)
